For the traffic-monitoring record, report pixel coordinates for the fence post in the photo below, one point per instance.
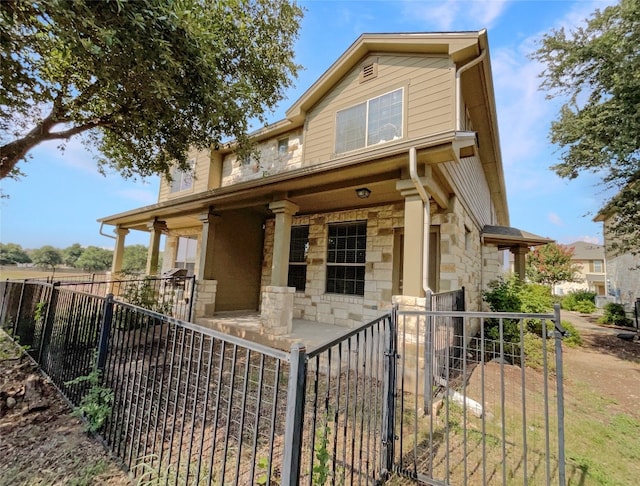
(15, 324)
(105, 332)
(389, 393)
(559, 333)
(47, 327)
(294, 420)
(3, 304)
(429, 348)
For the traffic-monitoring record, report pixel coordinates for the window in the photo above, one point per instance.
(298, 257)
(186, 254)
(182, 180)
(597, 266)
(346, 258)
(283, 146)
(377, 120)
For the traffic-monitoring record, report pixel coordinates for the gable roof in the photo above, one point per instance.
(583, 250)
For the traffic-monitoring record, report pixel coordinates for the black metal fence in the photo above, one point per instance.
(172, 296)
(193, 406)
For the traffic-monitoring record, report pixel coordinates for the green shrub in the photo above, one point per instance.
(534, 355)
(615, 315)
(572, 337)
(585, 307)
(574, 299)
(504, 295)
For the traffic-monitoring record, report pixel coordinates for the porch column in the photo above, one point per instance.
(414, 239)
(207, 240)
(520, 262)
(121, 234)
(277, 299)
(156, 227)
(284, 211)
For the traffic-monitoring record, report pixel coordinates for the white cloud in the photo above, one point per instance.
(555, 219)
(455, 14)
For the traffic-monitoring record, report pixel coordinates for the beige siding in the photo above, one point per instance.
(200, 182)
(471, 187)
(428, 100)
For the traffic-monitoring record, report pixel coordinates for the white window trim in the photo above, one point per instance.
(180, 175)
(366, 122)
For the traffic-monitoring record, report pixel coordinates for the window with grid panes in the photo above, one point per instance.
(346, 258)
(298, 251)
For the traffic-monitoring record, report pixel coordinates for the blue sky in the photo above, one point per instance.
(62, 195)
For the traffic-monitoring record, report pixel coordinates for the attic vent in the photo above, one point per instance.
(369, 69)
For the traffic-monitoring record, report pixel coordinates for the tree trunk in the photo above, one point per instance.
(13, 152)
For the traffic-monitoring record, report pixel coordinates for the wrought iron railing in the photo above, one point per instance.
(191, 405)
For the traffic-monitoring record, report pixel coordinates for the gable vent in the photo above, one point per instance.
(369, 70)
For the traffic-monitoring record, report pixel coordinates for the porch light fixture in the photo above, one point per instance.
(363, 192)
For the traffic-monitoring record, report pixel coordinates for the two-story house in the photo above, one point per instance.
(384, 181)
(590, 262)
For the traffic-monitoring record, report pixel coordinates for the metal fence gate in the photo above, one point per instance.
(484, 406)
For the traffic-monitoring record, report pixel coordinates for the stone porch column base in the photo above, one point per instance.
(277, 310)
(205, 298)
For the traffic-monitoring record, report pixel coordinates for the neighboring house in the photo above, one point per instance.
(623, 269)
(384, 179)
(592, 270)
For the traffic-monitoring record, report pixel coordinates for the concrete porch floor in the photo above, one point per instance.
(247, 326)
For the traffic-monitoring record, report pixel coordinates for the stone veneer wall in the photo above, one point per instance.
(270, 161)
(460, 254)
(345, 310)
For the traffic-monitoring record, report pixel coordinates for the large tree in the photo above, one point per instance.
(94, 259)
(551, 264)
(134, 258)
(597, 68)
(11, 253)
(47, 256)
(143, 80)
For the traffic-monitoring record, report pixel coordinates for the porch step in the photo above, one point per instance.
(246, 327)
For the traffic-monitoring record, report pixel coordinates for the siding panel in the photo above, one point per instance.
(429, 99)
(472, 188)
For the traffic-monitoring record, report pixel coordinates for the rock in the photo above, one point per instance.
(11, 402)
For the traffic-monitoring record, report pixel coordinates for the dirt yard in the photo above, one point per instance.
(41, 443)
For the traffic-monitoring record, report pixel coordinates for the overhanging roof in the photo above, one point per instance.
(508, 237)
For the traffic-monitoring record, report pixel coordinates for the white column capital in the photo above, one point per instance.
(283, 206)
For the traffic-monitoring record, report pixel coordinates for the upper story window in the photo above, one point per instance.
(283, 146)
(597, 266)
(182, 180)
(346, 258)
(377, 120)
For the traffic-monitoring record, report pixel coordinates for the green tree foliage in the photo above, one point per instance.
(47, 256)
(95, 259)
(11, 253)
(134, 259)
(597, 67)
(143, 80)
(551, 264)
(71, 254)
